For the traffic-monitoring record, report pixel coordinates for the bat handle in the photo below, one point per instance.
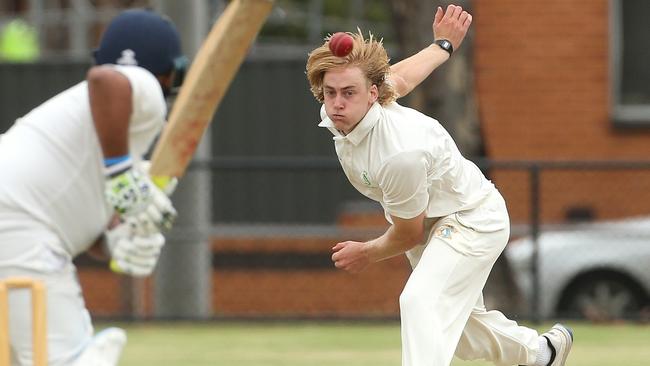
(166, 183)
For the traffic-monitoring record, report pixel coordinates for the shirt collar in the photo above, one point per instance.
(362, 128)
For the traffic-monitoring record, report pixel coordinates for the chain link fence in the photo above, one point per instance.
(581, 237)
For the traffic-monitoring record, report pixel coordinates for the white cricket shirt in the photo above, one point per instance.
(51, 168)
(408, 162)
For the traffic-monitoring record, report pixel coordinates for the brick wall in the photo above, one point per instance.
(262, 276)
(542, 83)
(294, 276)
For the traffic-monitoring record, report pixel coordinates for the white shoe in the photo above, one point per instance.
(560, 340)
(104, 349)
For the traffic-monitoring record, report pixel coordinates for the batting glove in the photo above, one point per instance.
(133, 254)
(166, 184)
(137, 200)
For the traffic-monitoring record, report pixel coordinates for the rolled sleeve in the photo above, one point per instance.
(403, 181)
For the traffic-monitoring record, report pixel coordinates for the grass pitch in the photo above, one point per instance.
(320, 344)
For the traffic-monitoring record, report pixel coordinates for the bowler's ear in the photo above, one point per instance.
(374, 93)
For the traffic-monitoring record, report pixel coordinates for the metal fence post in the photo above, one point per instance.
(534, 231)
(183, 282)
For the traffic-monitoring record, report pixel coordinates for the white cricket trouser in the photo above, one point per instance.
(69, 328)
(441, 306)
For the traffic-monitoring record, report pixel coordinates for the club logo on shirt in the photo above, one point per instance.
(366, 180)
(444, 232)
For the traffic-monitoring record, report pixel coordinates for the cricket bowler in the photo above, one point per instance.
(449, 220)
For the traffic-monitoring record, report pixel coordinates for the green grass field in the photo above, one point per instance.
(320, 344)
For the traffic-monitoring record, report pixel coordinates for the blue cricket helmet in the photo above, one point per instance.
(144, 38)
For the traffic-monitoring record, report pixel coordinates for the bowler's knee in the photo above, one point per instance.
(411, 301)
(466, 351)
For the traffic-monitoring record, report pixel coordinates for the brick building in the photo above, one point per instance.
(555, 82)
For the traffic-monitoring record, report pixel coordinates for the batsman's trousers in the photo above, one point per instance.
(69, 325)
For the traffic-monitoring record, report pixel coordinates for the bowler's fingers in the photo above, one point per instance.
(335, 257)
(346, 266)
(337, 254)
(465, 19)
(338, 262)
(338, 247)
(453, 12)
(457, 11)
(438, 17)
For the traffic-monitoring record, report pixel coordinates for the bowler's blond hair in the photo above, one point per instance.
(367, 54)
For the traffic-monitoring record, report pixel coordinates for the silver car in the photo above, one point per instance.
(597, 270)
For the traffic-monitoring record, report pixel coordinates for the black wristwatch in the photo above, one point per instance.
(445, 45)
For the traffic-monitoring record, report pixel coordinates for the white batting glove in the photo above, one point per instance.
(133, 254)
(139, 202)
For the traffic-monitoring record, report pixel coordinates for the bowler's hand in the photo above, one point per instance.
(451, 24)
(350, 256)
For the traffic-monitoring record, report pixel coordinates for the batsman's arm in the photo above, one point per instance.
(98, 250)
(109, 93)
(451, 25)
(128, 190)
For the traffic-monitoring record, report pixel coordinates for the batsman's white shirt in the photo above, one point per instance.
(51, 163)
(407, 161)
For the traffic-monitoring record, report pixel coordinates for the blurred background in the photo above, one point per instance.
(550, 98)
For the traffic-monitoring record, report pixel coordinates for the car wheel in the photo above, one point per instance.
(603, 297)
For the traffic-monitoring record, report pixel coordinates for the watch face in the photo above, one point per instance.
(445, 45)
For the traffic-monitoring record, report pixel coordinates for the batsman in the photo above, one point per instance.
(449, 220)
(73, 180)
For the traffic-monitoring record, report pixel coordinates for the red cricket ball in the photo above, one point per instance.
(341, 44)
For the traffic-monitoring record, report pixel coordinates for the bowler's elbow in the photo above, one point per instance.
(401, 86)
(410, 231)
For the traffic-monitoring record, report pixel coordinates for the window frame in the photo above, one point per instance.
(622, 115)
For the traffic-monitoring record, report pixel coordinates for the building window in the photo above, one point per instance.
(630, 62)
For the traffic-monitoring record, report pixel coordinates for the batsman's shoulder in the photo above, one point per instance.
(103, 75)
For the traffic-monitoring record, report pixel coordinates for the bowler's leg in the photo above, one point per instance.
(442, 291)
(489, 335)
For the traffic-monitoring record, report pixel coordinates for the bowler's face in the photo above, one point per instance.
(348, 97)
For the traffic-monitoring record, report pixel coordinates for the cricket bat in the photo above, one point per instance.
(205, 85)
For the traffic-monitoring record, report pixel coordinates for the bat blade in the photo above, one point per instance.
(213, 69)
